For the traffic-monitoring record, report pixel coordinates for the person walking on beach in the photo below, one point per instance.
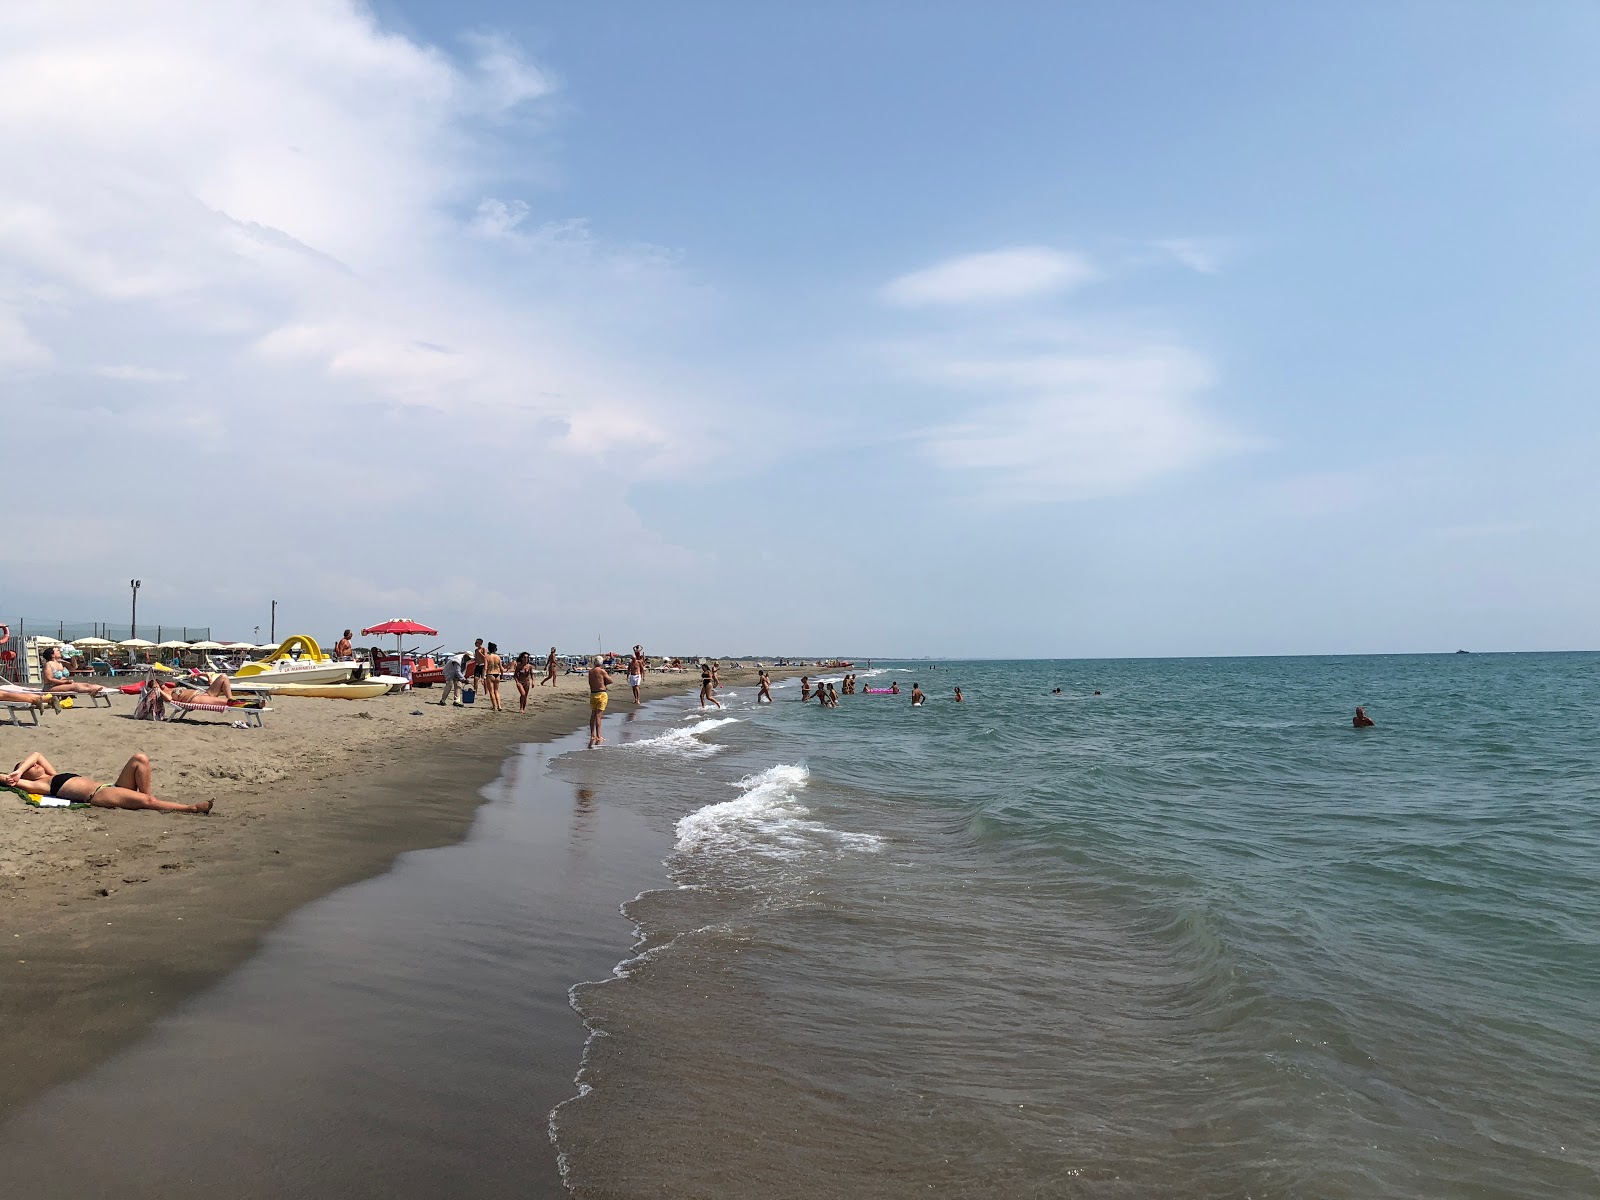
(522, 676)
(706, 686)
(343, 649)
(716, 676)
(766, 688)
(636, 670)
(491, 675)
(480, 660)
(453, 675)
(599, 681)
(36, 776)
(550, 669)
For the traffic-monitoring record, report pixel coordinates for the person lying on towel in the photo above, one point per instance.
(36, 776)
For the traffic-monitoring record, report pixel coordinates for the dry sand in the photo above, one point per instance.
(112, 916)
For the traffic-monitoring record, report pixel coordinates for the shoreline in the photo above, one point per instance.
(115, 917)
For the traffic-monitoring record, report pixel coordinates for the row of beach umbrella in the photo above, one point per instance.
(97, 643)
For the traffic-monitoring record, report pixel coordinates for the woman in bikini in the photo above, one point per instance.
(522, 676)
(492, 667)
(550, 668)
(218, 691)
(34, 774)
(57, 678)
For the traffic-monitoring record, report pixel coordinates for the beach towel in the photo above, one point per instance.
(47, 801)
(152, 704)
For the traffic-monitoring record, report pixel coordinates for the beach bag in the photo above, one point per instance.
(469, 695)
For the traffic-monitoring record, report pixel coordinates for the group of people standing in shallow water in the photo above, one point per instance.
(828, 696)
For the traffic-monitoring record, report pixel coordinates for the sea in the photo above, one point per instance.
(1114, 929)
(1142, 928)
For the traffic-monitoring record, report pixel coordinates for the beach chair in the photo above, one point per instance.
(251, 713)
(92, 699)
(11, 708)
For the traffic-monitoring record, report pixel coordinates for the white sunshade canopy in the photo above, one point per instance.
(267, 646)
(46, 641)
(172, 644)
(91, 642)
(239, 646)
(135, 644)
(205, 645)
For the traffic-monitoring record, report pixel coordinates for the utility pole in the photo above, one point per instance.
(273, 636)
(133, 625)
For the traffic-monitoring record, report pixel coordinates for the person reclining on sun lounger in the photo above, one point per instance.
(39, 700)
(35, 775)
(58, 678)
(220, 691)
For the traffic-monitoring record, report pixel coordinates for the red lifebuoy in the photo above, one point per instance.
(5, 634)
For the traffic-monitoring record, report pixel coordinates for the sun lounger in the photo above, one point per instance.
(92, 699)
(12, 708)
(250, 713)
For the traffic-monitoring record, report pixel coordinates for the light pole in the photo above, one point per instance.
(273, 636)
(133, 626)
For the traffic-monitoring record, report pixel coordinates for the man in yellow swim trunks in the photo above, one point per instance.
(599, 681)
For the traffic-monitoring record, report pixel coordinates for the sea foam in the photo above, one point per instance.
(766, 819)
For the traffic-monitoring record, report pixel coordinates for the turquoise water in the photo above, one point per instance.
(1194, 936)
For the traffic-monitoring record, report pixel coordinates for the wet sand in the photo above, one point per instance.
(113, 917)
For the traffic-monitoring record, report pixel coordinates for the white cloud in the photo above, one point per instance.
(1084, 418)
(272, 196)
(135, 374)
(1205, 255)
(997, 275)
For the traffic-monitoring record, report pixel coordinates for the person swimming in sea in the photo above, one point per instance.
(1361, 720)
(959, 699)
(917, 698)
(894, 688)
(1055, 691)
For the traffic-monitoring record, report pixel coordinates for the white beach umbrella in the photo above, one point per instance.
(172, 644)
(239, 646)
(135, 644)
(46, 642)
(205, 645)
(91, 643)
(267, 646)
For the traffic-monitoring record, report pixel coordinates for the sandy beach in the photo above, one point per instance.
(113, 916)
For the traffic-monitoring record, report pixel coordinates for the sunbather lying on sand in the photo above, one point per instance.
(220, 691)
(37, 699)
(57, 678)
(131, 790)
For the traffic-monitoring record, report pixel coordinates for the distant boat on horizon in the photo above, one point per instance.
(1463, 651)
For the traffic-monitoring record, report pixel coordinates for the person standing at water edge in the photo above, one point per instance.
(599, 681)
(766, 688)
(706, 686)
(453, 675)
(805, 688)
(491, 675)
(522, 675)
(636, 670)
(1361, 720)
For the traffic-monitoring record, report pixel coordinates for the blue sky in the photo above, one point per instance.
(920, 329)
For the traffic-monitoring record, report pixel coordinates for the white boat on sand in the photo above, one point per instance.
(297, 660)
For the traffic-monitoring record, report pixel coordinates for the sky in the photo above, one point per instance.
(971, 330)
